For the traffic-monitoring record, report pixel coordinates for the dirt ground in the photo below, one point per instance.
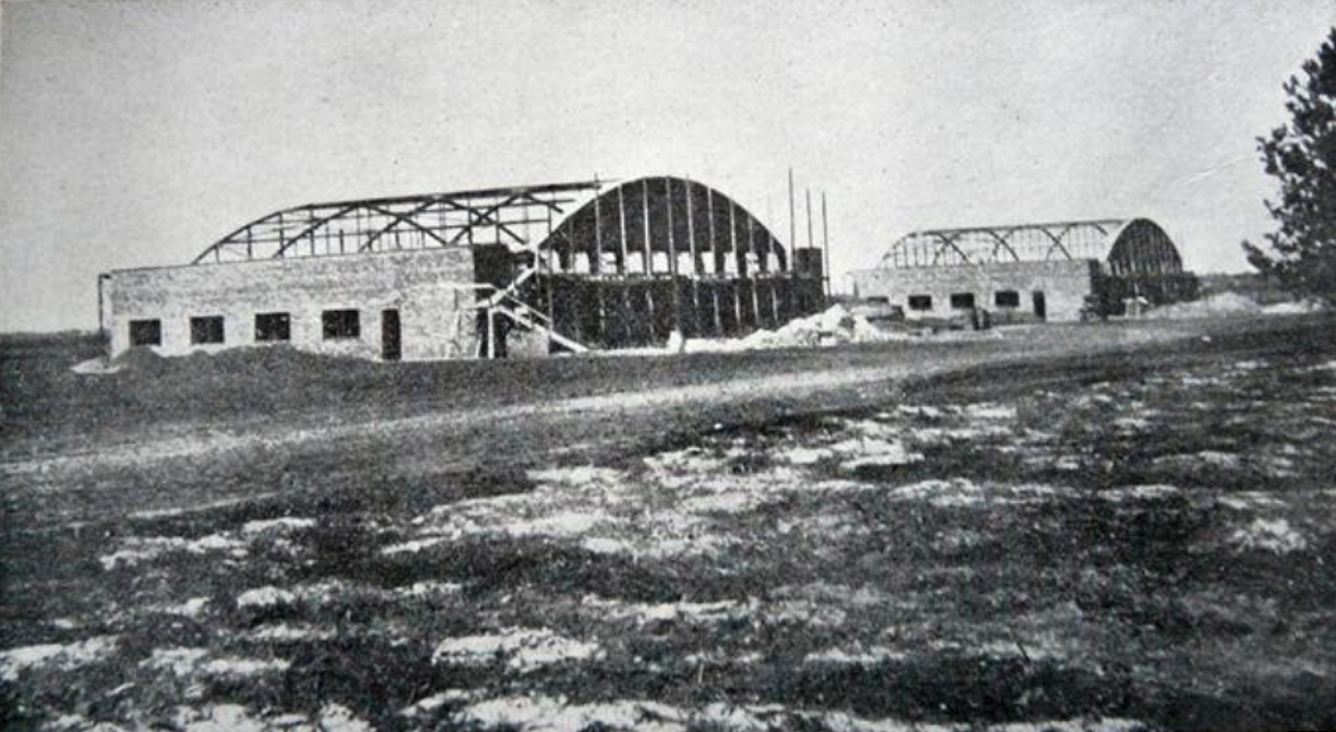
(1100, 527)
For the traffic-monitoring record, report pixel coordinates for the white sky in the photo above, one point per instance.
(137, 133)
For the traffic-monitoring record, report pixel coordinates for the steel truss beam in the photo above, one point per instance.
(486, 216)
(1067, 240)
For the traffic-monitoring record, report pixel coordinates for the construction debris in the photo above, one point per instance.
(833, 327)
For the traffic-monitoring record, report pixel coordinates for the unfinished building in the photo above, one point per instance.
(1030, 272)
(539, 269)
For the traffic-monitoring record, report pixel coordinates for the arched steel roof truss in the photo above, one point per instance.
(663, 225)
(521, 216)
(1132, 245)
(649, 226)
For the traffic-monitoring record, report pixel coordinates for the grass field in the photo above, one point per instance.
(1105, 528)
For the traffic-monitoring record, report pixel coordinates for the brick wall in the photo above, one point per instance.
(430, 289)
(1064, 284)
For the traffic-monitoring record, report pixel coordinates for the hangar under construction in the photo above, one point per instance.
(561, 267)
(1030, 272)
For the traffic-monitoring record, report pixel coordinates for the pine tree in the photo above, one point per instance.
(1302, 157)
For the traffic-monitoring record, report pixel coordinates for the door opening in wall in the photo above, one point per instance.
(1040, 307)
(390, 343)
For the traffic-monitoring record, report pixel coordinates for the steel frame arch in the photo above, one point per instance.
(1044, 241)
(367, 221)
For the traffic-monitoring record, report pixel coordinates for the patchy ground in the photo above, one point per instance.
(1082, 544)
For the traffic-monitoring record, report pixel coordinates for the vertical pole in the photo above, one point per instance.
(597, 234)
(491, 334)
(809, 219)
(755, 281)
(621, 228)
(691, 231)
(644, 210)
(549, 289)
(718, 316)
(810, 243)
(596, 263)
(825, 244)
(793, 247)
(733, 234)
(695, 264)
(714, 244)
(672, 256)
(793, 226)
(737, 263)
(539, 255)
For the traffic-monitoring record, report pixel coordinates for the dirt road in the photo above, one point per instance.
(256, 455)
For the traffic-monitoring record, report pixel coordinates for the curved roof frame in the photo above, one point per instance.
(1140, 246)
(1002, 243)
(486, 216)
(626, 229)
(1014, 243)
(630, 228)
(947, 241)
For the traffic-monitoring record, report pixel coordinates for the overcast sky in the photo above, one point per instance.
(137, 133)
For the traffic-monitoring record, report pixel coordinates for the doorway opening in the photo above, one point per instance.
(390, 342)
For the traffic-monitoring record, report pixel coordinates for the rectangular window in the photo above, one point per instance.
(962, 300)
(341, 324)
(206, 330)
(272, 327)
(1007, 299)
(145, 332)
(920, 302)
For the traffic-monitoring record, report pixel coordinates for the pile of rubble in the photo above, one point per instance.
(832, 327)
